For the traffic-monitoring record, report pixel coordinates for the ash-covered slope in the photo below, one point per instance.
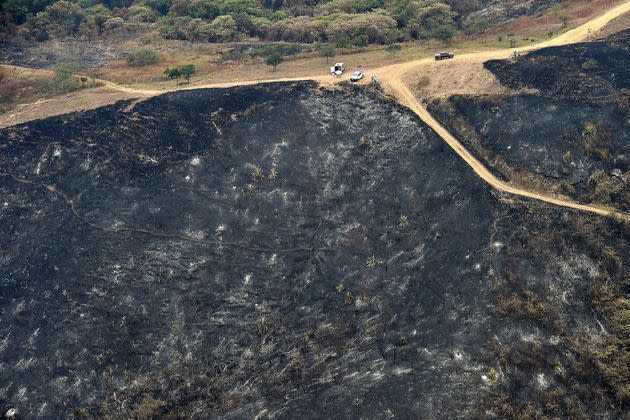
(592, 71)
(279, 251)
(572, 136)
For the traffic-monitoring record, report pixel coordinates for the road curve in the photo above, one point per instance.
(406, 97)
(392, 80)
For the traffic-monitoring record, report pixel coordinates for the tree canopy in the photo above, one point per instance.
(339, 22)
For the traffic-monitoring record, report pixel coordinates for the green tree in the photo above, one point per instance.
(327, 51)
(187, 71)
(173, 73)
(342, 42)
(143, 56)
(361, 41)
(512, 37)
(161, 6)
(274, 60)
(62, 17)
(63, 79)
(444, 33)
(403, 11)
(204, 9)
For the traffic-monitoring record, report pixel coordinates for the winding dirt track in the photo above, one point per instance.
(392, 80)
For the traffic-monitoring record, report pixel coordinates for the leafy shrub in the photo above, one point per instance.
(283, 49)
(97, 10)
(444, 33)
(273, 60)
(204, 9)
(160, 6)
(173, 73)
(113, 23)
(423, 82)
(64, 80)
(63, 18)
(590, 64)
(185, 71)
(361, 41)
(335, 6)
(143, 56)
(343, 22)
(362, 29)
(231, 55)
(299, 29)
(424, 19)
(327, 51)
(222, 28)
(342, 42)
(248, 7)
(393, 48)
(139, 14)
(478, 26)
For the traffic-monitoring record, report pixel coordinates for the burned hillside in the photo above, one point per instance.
(284, 250)
(570, 135)
(591, 71)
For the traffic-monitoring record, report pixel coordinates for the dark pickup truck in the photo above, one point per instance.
(444, 55)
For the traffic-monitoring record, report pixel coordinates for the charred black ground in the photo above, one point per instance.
(573, 136)
(287, 251)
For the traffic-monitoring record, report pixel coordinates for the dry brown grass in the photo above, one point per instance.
(538, 26)
(21, 85)
(448, 78)
(528, 306)
(615, 25)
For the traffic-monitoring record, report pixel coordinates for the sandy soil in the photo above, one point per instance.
(616, 25)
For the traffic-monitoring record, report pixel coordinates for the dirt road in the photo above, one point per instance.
(392, 80)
